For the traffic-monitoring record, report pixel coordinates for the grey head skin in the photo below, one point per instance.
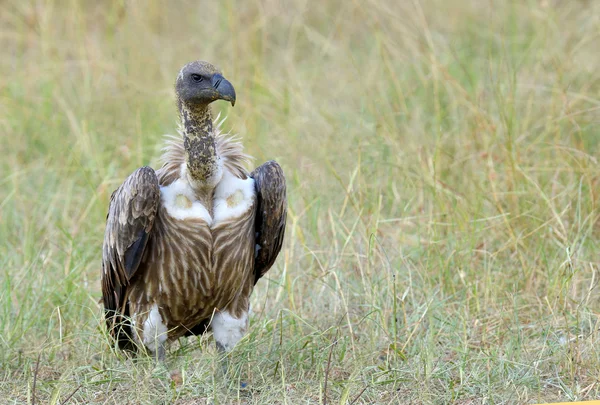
(199, 83)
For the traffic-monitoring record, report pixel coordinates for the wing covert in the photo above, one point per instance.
(271, 214)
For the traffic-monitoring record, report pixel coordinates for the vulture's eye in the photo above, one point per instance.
(196, 77)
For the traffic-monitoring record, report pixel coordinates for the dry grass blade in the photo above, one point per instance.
(335, 340)
(68, 398)
(359, 395)
(35, 374)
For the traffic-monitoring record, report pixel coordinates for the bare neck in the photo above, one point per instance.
(203, 162)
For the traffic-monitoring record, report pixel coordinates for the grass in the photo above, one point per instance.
(443, 182)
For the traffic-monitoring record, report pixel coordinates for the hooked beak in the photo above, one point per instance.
(225, 90)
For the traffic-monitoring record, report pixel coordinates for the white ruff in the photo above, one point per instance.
(155, 331)
(180, 201)
(233, 197)
(228, 330)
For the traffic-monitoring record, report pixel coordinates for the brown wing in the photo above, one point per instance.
(271, 213)
(129, 222)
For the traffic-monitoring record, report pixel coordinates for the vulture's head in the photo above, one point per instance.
(199, 83)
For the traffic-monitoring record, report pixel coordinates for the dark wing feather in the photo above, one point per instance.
(131, 214)
(271, 213)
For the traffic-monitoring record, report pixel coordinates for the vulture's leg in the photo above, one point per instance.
(227, 331)
(155, 334)
(160, 352)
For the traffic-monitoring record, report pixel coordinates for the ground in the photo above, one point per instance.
(443, 183)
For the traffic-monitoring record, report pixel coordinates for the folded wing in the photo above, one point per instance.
(129, 222)
(271, 215)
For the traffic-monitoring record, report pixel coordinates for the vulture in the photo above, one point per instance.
(184, 245)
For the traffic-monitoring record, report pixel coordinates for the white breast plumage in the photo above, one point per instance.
(181, 203)
(233, 197)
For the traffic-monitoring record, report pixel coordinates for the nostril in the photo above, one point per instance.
(216, 80)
